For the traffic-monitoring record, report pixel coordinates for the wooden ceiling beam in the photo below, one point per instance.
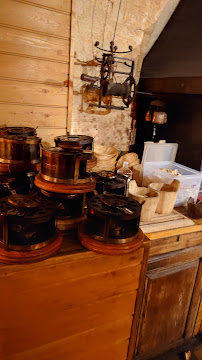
(172, 85)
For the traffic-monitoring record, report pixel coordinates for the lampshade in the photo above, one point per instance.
(159, 117)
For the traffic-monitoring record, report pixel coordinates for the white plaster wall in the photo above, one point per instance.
(95, 20)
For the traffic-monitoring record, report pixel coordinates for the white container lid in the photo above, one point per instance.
(157, 155)
(159, 152)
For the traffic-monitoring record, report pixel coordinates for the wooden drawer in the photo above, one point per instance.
(162, 245)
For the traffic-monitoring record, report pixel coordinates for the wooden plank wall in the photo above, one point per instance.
(34, 64)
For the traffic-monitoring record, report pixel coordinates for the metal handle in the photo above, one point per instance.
(125, 210)
(89, 78)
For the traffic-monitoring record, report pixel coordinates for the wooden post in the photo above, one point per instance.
(139, 300)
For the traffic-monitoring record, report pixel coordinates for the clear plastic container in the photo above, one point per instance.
(190, 182)
(124, 170)
(156, 158)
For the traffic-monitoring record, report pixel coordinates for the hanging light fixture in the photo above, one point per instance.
(156, 113)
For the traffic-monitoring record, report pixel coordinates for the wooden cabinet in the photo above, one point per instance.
(168, 295)
(171, 300)
(77, 305)
(198, 324)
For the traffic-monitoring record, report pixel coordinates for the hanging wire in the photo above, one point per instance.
(117, 19)
(92, 25)
(105, 23)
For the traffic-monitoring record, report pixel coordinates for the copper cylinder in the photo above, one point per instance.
(113, 218)
(16, 149)
(61, 166)
(28, 222)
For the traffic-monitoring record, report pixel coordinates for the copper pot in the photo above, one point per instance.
(15, 149)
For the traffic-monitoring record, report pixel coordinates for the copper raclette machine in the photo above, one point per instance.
(40, 197)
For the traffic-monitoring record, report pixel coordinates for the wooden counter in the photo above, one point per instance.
(172, 291)
(77, 305)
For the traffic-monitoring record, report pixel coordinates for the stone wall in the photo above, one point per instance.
(95, 21)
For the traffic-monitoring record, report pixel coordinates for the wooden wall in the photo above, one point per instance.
(183, 126)
(34, 64)
(178, 50)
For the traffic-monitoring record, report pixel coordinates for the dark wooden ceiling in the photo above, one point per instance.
(178, 50)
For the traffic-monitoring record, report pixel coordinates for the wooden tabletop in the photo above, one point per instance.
(161, 242)
(71, 248)
(197, 226)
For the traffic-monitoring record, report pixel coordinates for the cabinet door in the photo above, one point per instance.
(194, 322)
(166, 305)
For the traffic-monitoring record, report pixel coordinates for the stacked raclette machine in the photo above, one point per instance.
(42, 197)
(27, 224)
(64, 178)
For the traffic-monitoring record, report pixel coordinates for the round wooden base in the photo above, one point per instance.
(65, 223)
(109, 249)
(64, 188)
(14, 168)
(22, 257)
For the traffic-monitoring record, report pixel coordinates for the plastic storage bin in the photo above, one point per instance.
(158, 156)
(190, 182)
